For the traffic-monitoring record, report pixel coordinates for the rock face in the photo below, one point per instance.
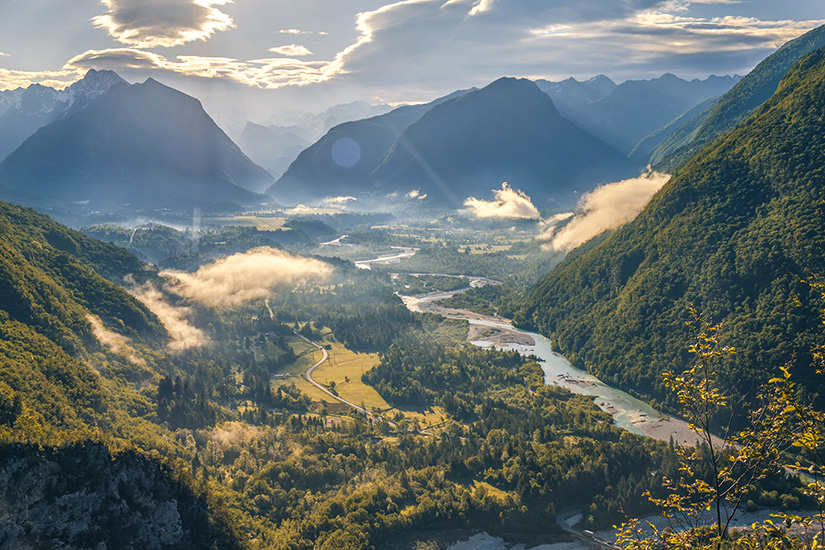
(81, 496)
(144, 146)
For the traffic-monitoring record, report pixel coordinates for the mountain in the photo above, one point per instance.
(344, 157)
(734, 233)
(50, 281)
(635, 108)
(314, 125)
(571, 96)
(23, 111)
(272, 147)
(734, 106)
(59, 392)
(145, 145)
(508, 131)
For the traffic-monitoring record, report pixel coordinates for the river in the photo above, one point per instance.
(628, 412)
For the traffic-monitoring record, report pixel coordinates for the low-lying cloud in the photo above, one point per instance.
(608, 207)
(106, 337)
(242, 277)
(175, 319)
(508, 203)
(230, 281)
(162, 23)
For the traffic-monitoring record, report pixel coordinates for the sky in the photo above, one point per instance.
(256, 59)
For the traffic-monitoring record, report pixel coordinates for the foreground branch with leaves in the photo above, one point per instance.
(717, 475)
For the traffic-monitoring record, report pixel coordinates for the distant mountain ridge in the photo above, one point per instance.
(144, 146)
(460, 145)
(622, 115)
(738, 103)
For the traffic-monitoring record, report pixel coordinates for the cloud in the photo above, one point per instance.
(10, 79)
(242, 277)
(608, 207)
(340, 200)
(299, 32)
(291, 50)
(262, 73)
(3, 54)
(414, 50)
(174, 318)
(162, 23)
(411, 42)
(416, 194)
(507, 204)
(106, 337)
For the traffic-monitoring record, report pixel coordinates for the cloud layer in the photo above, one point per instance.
(164, 23)
(508, 203)
(608, 207)
(239, 278)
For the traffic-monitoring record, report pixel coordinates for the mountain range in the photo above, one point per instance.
(734, 106)
(624, 114)
(460, 145)
(24, 110)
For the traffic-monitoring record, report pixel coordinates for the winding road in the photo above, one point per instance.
(311, 380)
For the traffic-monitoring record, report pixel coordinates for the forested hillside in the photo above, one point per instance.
(735, 234)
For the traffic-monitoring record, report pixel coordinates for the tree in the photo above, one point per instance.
(716, 474)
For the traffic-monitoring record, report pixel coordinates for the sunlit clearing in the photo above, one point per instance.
(608, 207)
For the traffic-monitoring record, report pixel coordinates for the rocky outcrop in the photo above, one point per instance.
(81, 496)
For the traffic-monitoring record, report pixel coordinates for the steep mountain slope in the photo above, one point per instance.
(686, 122)
(340, 162)
(26, 110)
(144, 145)
(508, 131)
(46, 281)
(734, 233)
(753, 90)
